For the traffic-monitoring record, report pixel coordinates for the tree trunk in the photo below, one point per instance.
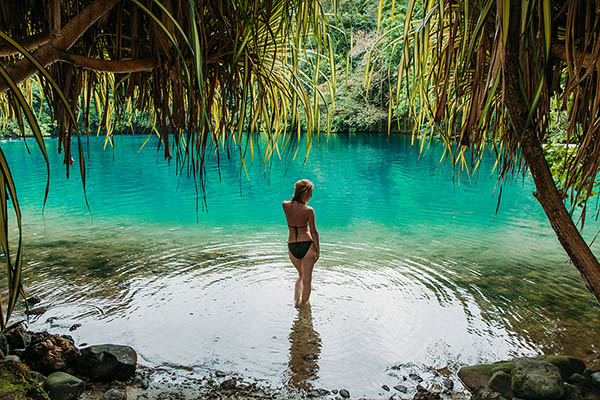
(531, 149)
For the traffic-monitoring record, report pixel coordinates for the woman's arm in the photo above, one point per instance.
(313, 232)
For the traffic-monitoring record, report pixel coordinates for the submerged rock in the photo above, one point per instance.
(485, 393)
(425, 394)
(344, 393)
(535, 379)
(62, 386)
(107, 362)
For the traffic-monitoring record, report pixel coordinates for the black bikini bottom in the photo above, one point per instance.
(299, 249)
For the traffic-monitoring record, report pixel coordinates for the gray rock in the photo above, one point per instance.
(485, 393)
(18, 338)
(534, 379)
(572, 392)
(385, 387)
(567, 365)
(74, 327)
(344, 393)
(12, 358)
(401, 389)
(501, 383)
(62, 386)
(115, 394)
(107, 362)
(220, 374)
(415, 377)
(37, 377)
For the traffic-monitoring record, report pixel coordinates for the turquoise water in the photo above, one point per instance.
(417, 270)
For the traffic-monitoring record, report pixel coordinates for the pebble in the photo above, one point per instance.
(334, 391)
(220, 374)
(386, 388)
(415, 377)
(448, 383)
(344, 393)
(400, 388)
(36, 311)
(33, 300)
(115, 394)
(421, 388)
(74, 326)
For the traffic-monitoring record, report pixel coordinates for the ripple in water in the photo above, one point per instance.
(406, 278)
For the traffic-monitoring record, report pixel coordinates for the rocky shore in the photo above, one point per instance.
(45, 366)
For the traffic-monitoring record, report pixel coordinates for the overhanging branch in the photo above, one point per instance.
(30, 43)
(62, 41)
(116, 66)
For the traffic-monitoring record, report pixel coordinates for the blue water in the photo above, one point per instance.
(417, 269)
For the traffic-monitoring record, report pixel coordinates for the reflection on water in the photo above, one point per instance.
(415, 270)
(305, 348)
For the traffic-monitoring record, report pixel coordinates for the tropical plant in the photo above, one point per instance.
(485, 73)
(210, 76)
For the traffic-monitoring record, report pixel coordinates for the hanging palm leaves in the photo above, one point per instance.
(212, 75)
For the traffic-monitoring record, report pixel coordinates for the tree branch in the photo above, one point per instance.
(30, 43)
(62, 40)
(558, 50)
(117, 66)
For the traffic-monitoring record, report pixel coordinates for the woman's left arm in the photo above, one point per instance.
(313, 232)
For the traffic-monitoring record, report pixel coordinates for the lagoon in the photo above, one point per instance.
(418, 271)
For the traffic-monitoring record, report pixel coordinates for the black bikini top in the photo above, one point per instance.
(297, 227)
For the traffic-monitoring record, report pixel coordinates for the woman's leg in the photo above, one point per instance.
(308, 263)
(298, 287)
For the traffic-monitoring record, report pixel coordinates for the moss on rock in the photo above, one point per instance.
(16, 383)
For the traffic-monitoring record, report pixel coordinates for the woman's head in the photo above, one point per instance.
(303, 190)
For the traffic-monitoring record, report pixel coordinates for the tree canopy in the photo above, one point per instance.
(497, 73)
(207, 73)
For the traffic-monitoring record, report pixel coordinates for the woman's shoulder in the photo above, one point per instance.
(286, 203)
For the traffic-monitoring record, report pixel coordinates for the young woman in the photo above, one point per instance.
(303, 240)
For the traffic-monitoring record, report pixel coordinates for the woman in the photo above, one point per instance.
(303, 245)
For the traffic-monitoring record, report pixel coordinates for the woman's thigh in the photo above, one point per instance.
(296, 261)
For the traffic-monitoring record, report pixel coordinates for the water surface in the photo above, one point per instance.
(416, 270)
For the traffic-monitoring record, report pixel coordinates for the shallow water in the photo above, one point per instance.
(416, 269)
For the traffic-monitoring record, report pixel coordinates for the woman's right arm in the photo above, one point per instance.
(313, 232)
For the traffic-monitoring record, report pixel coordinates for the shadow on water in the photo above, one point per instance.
(305, 349)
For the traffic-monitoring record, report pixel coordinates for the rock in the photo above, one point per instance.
(596, 377)
(334, 391)
(49, 353)
(501, 383)
(220, 374)
(107, 362)
(74, 326)
(448, 383)
(344, 393)
(142, 381)
(33, 300)
(535, 379)
(415, 377)
(576, 379)
(572, 392)
(477, 376)
(401, 389)
(62, 386)
(3, 345)
(37, 377)
(115, 394)
(36, 311)
(234, 384)
(18, 338)
(420, 388)
(12, 358)
(567, 365)
(426, 395)
(485, 393)
(385, 387)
